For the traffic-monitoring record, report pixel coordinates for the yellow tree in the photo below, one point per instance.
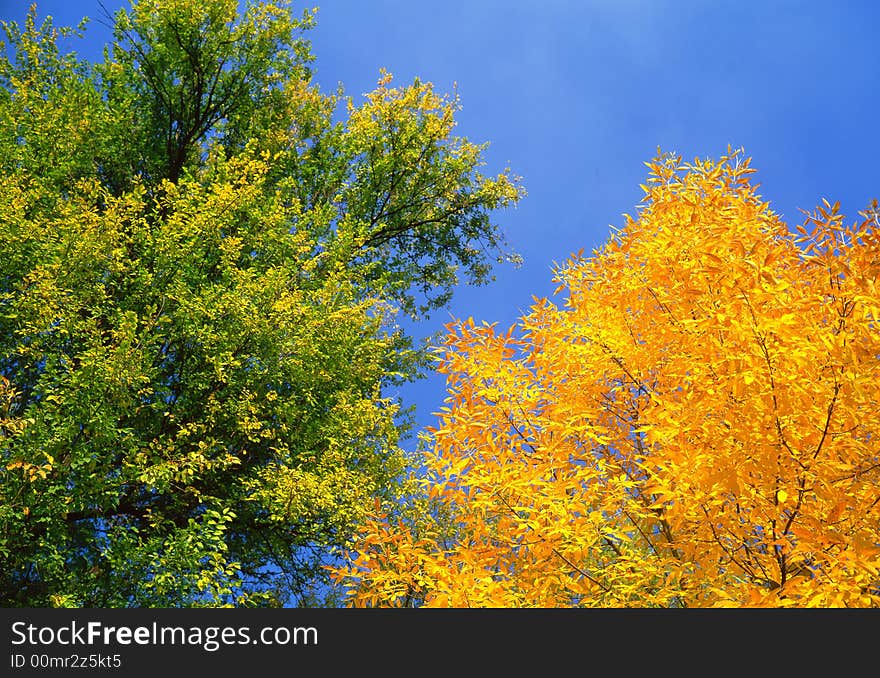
(696, 424)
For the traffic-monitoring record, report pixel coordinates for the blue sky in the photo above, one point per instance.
(576, 95)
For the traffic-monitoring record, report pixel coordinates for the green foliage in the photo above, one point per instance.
(200, 273)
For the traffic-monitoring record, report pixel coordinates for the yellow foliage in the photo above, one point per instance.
(695, 424)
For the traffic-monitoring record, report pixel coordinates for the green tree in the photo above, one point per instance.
(202, 262)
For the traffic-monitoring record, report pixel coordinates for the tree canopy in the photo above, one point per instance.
(696, 422)
(202, 262)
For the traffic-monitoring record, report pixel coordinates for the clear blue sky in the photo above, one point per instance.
(575, 95)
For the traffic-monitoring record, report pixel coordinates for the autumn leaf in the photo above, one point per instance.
(691, 437)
